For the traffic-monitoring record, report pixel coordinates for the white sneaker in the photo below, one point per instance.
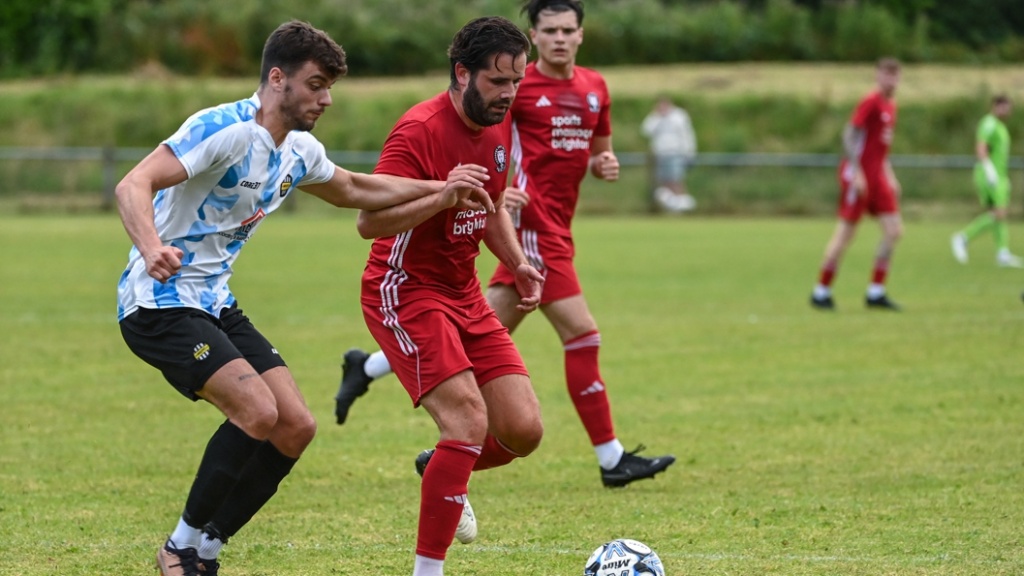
(466, 531)
(684, 202)
(959, 245)
(1007, 260)
(665, 199)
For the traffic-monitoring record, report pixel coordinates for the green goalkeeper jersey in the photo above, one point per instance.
(994, 134)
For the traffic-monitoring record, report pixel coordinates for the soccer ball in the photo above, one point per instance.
(624, 557)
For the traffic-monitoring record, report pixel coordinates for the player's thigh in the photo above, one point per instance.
(422, 341)
(503, 299)
(570, 317)
(242, 395)
(881, 197)
(851, 203)
(513, 412)
(488, 346)
(268, 363)
(295, 425)
(458, 408)
(999, 194)
(560, 278)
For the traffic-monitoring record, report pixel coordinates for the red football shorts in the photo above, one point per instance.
(428, 341)
(552, 256)
(879, 198)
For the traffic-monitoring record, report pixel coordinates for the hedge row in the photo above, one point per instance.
(388, 37)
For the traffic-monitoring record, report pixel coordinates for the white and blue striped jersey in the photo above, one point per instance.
(236, 177)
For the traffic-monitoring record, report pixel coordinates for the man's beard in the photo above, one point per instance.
(292, 114)
(477, 110)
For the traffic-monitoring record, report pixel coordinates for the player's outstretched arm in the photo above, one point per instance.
(375, 191)
(853, 143)
(463, 189)
(160, 169)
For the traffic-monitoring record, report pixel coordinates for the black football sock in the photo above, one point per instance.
(257, 484)
(227, 453)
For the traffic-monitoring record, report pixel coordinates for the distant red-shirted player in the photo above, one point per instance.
(867, 184)
(421, 297)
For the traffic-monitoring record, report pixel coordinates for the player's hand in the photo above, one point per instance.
(991, 176)
(163, 262)
(514, 198)
(464, 188)
(860, 182)
(605, 166)
(529, 283)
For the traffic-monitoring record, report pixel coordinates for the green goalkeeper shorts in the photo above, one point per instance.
(992, 195)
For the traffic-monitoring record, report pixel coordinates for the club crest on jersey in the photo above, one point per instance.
(286, 185)
(500, 158)
(593, 102)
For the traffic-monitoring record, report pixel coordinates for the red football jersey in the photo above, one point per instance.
(554, 123)
(876, 115)
(437, 257)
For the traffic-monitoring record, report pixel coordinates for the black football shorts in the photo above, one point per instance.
(188, 345)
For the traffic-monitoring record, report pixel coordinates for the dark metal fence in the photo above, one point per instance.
(26, 170)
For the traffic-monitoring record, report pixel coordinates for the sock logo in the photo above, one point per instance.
(595, 388)
(460, 499)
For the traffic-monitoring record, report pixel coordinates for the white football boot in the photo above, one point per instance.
(466, 531)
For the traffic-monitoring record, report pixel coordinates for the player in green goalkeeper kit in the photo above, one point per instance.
(992, 179)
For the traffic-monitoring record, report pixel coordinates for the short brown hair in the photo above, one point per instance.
(533, 8)
(1000, 99)
(889, 64)
(294, 43)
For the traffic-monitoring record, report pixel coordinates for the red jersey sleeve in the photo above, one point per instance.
(604, 121)
(863, 112)
(407, 152)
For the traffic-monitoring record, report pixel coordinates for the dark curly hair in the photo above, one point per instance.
(484, 39)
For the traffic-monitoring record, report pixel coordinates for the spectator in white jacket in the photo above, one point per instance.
(674, 147)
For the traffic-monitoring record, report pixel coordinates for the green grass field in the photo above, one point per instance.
(854, 443)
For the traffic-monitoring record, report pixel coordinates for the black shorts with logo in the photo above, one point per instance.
(188, 345)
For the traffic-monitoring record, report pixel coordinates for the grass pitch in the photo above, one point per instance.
(852, 443)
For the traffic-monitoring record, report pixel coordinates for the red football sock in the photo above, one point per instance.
(442, 494)
(881, 269)
(586, 389)
(494, 454)
(828, 273)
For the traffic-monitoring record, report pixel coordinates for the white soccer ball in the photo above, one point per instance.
(624, 557)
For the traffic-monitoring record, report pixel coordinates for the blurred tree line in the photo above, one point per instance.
(389, 37)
